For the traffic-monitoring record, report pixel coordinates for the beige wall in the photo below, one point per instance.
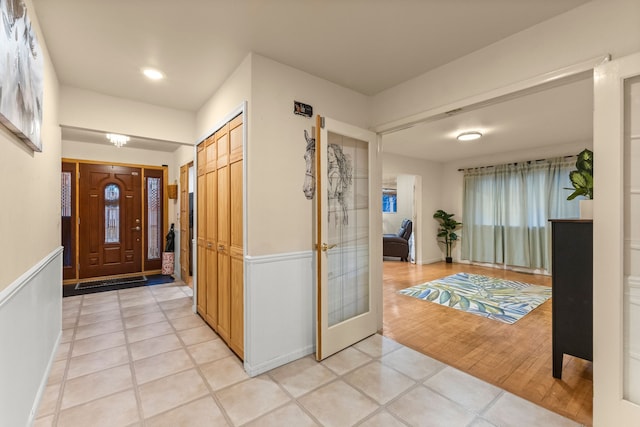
(430, 174)
(91, 110)
(30, 182)
(596, 28)
(280, 217)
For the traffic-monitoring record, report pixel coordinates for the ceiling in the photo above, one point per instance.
(560, 114)
(364, 45)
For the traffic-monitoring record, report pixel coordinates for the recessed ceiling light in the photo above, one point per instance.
(153, 74)
(469, 136)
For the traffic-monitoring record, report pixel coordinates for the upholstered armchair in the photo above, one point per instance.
(397, 245)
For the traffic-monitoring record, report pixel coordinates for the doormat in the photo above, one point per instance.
(114, 284)
(491, 297)
(110, 282)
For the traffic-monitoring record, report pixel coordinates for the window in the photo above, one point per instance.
(506, 211)
(154, 217)
(389, 200)
(112, 214)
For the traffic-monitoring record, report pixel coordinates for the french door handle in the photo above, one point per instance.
(326, 247)
(136, 228)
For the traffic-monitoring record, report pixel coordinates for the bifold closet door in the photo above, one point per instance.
(202, 227)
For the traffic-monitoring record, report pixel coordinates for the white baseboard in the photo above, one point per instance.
(278, 361)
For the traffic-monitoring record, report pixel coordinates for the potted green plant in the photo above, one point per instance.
(582, 182)
(446, 231)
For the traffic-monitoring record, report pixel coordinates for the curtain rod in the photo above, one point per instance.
(513, 163)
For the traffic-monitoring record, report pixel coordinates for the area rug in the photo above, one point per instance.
(498, 299)
(114, 284)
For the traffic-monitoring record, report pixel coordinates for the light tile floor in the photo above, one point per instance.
(141, 357)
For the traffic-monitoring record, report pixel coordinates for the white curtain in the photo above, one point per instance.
(506, 209)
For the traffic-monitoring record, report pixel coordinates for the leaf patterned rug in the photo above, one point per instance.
(498, 299)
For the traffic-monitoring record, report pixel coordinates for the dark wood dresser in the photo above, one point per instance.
(572, 293)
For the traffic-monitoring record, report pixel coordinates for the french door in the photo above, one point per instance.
(616, 241)
(347, 251)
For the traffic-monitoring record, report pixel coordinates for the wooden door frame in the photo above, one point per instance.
(165, 212)
(189, 279)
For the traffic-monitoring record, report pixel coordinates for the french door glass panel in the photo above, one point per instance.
(348, 227)
(632, 241)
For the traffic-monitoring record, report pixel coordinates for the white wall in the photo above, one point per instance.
(430, 174)
(593, 29)
(91, 110)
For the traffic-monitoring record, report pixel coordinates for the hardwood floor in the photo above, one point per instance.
(514, 357)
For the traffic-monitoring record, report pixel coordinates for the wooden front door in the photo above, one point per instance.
(110, 220)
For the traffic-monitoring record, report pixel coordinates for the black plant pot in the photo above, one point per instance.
(449, 260)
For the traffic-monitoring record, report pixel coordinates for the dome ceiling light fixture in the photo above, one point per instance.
(117, 139)
(469, 136)
(153, 74)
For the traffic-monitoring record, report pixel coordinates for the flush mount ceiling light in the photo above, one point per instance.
(153, 74)
(469, 136)
(117, 139)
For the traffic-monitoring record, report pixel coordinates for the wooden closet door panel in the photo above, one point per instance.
(202, 210)
(224, 295)
(211, 235)
(235, 218)
(184, 223)
(202, 159)
(211, 154)
(237, 305)
(235, 140)
(222, 141)
(202, 280)
(212, 287)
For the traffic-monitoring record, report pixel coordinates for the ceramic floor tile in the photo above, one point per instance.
(224, 372)
(98, 308)
(382, 419)
(302, 376)
(140, 309)
(93, 386)
(203, 412)
(188, 322)
(99, 298)
(44, 421)
(338, 404)
(170, 392)
(481, 422)
(98, 343)
(345, 361)
(462, 388)
(143, 319)
(424, 407)
(103, 316)
(149, 331)
(69, 323)
(159, 366)
(197, 335)
(153, 346)
(290, 415)
(176, 303)
(379, 382)
(56, 374)
(179, 312)
(169, 294)
(63, 351)
(209, 351)
(98, 329)
(118, 409)
(49, 400)
(512, 411)
(134, 302)
(411, 363)
(67, 335)
(377, 345)
(93, 362)
(250, 399)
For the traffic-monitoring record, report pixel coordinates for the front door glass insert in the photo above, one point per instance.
(112, 214)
